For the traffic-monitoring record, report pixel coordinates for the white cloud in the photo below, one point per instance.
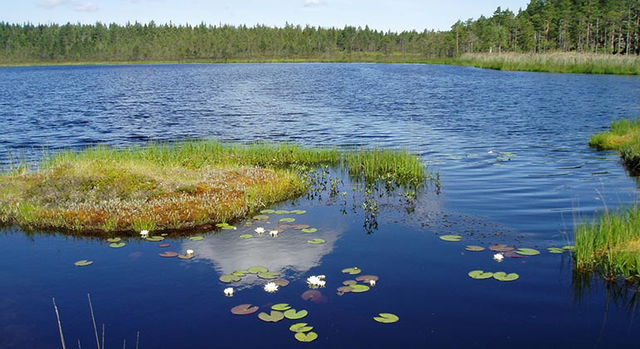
(85, 7)
(311, 3)
(75, 5)
(52, 3)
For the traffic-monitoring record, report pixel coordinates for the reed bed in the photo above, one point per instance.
(623, 136)
(176, 186)
(559, 62)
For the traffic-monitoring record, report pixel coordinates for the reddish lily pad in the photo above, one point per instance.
(244, 309)
(169, 254)
(281, 282)
(312, 295)
(367, 278)
(164, 245)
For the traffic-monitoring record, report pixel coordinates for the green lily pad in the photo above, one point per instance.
(451, 238)
(246, 236)
(306, 337)
(502, 276)
(228, 278)
(317, 241)
(569, 248)
(240, 273)
(281, 212)
(298, 211)
(229, 227)
(292, 314)
(473, 248)
(261, 217)
(114, 240)
(281, 306)
(257, 270)
(309, 230)
(480, 274)
(83, 263)
(359, 288)
(555, 250)
(527, 252)
(268, 275)
(274, 316)
(196, 238)
(267, 211)
(155, 238)
(387, 318)
(117, 245)
(349, 282)
(352, 271)
(287, 220)
(300, 327)
(244, 309)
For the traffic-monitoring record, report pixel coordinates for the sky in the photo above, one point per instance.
(395, 15)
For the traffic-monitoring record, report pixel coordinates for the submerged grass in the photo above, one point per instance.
(611, 244)
(175, 186)
(560, 62)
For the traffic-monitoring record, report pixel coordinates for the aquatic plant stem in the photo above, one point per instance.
(55, 307)
(93, 318)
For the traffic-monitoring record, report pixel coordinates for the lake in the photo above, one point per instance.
(515, 168)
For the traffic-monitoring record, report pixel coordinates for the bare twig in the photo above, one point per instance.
(102, 336)
(79, 345)
(124, 344)
(93, 318)
(137, 339)
(55, 307)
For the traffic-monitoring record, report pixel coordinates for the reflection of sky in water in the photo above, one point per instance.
(289, 252)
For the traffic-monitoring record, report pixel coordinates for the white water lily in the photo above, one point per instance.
(498, 257)
(316, 281)
(260, 230)
(190, 252)
(372, 282)
(228, 291)
(273, 233)
(271, 287)
(144, 234)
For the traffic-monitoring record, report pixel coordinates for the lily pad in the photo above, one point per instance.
(569, 248)
(281, 306)
(281, 212)
(257, 270)
(501, 248)
(298, 211)
(292, 314)
(359, 288)
(317, 241)
(344, 289)
(287, 220)
(527, 252)
(244, 309)
(299, 226)
(267, 211)
(83, 263)
(240, 273)
(261, 217)
(473, 248)
(451, 238)
(186, 256)
(555, 250)
(229, 227)
(274, 316)
(300, 327)
(281, 282)
(309, 230)
(349, 282)
(268, 275)
(352, 271)
(502, 276)
(387, 318)
(480, 274)
(117, 245)
(196, 238)
(155, 238)
(367, 278)
(246, 236)
(114, 240)
(228, 278)
(306, 337)
(169, 254)
(164, 245)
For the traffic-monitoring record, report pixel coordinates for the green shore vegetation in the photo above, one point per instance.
(179, 186)
(611, 243)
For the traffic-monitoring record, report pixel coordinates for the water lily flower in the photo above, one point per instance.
(316, 281)
(372, 282)
(228, 292)
(260, 230)
(498, 257)
(144, 234)
(490, 152)
(271, 287)
(190, 252)
(273, 233)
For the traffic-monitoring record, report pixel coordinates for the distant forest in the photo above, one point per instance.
(594, 26)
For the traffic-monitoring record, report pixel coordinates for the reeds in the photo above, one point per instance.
(623, 136)
(174, 186)
(558, 62)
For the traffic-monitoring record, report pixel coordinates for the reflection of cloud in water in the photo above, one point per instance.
(287, 252)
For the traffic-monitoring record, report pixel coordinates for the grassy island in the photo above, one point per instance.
(611, 244)
(179, 186)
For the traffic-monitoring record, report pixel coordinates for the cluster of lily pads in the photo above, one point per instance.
(350, 286)
(283, 224)
(278, 312)
(259, 271)
(500, 276)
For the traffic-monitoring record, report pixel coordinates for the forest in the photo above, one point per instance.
(584, 26)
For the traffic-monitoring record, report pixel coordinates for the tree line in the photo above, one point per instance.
(596, 26)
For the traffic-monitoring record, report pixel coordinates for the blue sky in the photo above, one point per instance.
(393, 15)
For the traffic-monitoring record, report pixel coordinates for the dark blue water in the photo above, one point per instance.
(457, 118)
